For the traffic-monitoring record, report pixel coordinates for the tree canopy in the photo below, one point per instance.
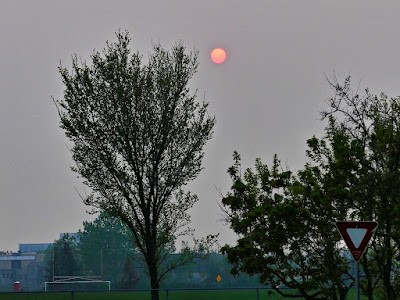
(62, 258)
(137, 136)
(286, 221)
(285, 235)
(106, 242)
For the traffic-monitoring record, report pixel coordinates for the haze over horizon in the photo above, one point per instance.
(266, 96)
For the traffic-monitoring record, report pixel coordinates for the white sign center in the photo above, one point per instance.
(357, 235)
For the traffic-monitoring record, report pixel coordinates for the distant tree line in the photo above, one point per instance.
(106, 236)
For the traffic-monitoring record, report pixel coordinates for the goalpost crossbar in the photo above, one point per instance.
(76, 279)
(70, 278)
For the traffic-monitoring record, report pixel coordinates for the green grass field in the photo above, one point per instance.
(172, 295)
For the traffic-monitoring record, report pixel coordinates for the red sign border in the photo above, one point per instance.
(371, 227)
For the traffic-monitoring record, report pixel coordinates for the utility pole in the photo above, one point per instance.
(101, 263)
(54, 250)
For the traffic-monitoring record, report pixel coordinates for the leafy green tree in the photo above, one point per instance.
(203, 272)
(286, 221)
(105, 242)
(138, 135)
(129, 278)
(63, 258)
(372, 124)
(286, 230)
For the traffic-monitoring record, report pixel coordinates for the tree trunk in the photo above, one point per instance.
(369, 291)
(154, 283)
(387, 270)
(343, 290)
(387, 276)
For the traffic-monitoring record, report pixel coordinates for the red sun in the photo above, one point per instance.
(218, 55)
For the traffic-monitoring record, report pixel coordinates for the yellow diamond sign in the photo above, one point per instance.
(219, 278)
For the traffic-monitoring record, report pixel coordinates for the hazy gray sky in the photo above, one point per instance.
(266, 96)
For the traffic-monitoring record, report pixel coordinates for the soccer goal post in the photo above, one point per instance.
(76, 283)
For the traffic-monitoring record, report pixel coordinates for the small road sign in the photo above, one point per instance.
(357, 235)
(218, 278)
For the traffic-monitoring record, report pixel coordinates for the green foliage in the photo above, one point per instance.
(62, 258)
(105, 241)
(373, 126)
(283, 236)
(203, 272)
(108, 237)
(286, 221)
(129, 278)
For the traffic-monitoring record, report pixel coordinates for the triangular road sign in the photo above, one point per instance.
(357, 235)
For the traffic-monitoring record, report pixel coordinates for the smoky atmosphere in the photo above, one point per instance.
(266, 95)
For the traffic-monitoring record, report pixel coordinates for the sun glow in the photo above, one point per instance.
(218, 55)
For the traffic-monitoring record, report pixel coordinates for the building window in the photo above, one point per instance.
(16, 264)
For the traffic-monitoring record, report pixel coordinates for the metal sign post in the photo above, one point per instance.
(357, 281)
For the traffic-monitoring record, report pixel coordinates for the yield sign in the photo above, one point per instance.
(357, 235)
